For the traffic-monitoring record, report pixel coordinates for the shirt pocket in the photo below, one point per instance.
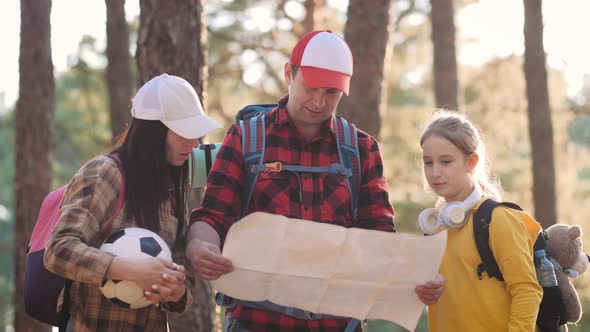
(336, 200)
(275, 192)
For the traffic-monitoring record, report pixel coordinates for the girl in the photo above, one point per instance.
(153, 154)
(454, 163)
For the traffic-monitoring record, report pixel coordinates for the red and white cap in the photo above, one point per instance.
(325, 60)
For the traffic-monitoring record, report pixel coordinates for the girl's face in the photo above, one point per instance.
(178, 148)
(448, 170)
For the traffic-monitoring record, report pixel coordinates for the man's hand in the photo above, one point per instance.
(207, 260)
(431, 291)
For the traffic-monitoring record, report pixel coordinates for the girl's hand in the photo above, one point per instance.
(431, 291)
(171, 289)
(144, 271)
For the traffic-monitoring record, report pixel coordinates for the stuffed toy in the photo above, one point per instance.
(564, 247)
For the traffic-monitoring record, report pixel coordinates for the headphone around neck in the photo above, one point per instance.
(452, 215)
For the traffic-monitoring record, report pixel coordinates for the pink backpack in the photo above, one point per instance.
(43, 288)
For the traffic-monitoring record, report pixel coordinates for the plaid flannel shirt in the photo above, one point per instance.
(324, 197)
(88, 204)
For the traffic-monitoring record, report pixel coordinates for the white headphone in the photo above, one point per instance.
(452, 215)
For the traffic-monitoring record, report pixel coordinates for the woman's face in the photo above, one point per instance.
(448, 170)
(178, 148)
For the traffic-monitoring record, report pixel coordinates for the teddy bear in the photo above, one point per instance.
(564, 247)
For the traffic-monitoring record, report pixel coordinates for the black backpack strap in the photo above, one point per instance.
(551, 310)
(540, 243)
(481, 234)
(64, 314)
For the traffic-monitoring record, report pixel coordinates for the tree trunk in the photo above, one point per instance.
(35, 110)
(539, 113)
(445, 62)
(313, 15)
(172, 39)
(118, 71)
(368, 30)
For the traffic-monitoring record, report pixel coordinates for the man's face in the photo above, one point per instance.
(309, 107)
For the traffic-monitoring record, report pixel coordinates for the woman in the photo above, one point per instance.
(153, 154)
(454, 163)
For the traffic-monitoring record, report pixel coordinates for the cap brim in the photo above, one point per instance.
(191, 128)
(322, 78)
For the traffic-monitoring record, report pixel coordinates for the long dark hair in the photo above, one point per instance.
(149, 179)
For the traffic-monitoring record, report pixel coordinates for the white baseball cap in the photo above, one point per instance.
(173, 101)
(325, 60)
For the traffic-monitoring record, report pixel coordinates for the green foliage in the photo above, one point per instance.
(6, 213)
(579, 131)
(82, 127)
(7, 160)
(379, 325)
(81, 121)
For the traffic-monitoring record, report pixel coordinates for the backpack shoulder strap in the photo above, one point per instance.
(481, 232)
(348, 152)
(253, 145)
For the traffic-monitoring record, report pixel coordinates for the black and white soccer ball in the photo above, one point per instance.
(132, 242)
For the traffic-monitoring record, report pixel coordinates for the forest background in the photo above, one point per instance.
(248, 41)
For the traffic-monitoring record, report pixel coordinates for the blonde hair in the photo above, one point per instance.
(466, 136)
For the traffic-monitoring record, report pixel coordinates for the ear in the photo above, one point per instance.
(287, 73)
(472, 161)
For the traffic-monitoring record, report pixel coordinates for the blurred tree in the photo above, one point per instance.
(539, 115)
(118, 73)
(444, 58)
(249, 41)
(82, 122)
(172, 39)
(368, 30)
(313, 15)
(35, 109)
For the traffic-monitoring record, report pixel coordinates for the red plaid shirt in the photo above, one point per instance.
(325, 197)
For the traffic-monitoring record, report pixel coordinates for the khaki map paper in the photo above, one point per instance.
(328, 269)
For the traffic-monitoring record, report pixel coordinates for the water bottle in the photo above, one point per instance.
(544, 268)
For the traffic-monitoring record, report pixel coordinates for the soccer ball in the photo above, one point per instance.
(132, 242)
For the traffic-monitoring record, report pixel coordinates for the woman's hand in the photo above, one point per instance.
(171, 289)
(145, 271)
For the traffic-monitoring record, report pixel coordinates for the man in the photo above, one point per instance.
(300, 131)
